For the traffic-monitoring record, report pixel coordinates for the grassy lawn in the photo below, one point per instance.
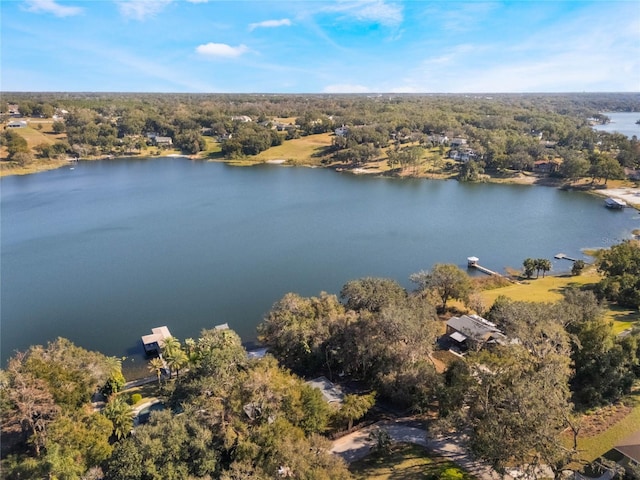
(304, 150)
(550, 288)
(405, 462)
(593, 445)
(35, 137)
(547, 289)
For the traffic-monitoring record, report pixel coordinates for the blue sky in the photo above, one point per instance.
(309, 46)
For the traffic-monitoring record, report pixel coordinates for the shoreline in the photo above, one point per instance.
(626, 191)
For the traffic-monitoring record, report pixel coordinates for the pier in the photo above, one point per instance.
(472, 262)
(562, 256)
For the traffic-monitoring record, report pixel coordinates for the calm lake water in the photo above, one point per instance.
(102, 253)
(621, 122)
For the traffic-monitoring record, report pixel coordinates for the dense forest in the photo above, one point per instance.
(67, 415)
(469, 134)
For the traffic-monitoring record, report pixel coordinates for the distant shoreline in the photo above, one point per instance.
(622, 190)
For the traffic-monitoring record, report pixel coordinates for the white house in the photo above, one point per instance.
(17, 124)
(341, 131)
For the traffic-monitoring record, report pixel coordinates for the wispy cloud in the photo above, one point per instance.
(221, 50)
(51, 6)
(373, 11)
(285, 22)
(141, 9)
(458, 17)
(197, 1)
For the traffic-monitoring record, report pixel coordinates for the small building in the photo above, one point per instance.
(546, 166)
(457, 142)
(330, 391)
(241, 118)
(473, 331)
(163, 141)
(438, 139)
(17, 124)
(153, 343)
(462, 155)
(341, 131)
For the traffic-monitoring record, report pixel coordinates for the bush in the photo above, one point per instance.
(135, 398)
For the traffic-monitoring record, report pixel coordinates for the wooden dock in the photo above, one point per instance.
(562, 256)
(472, 262)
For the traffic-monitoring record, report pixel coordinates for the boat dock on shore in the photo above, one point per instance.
(472, 262)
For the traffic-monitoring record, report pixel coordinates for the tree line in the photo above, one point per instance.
(504, 131)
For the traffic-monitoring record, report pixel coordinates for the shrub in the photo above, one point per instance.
(135, 398)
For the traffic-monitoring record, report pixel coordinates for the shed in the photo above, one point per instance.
(17, 124)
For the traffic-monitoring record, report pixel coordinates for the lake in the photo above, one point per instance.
(104, 252)
(621, 122)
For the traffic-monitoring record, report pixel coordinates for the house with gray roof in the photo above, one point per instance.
(473, 332)
(629, 447)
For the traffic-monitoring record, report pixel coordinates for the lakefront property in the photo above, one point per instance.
(181, 238)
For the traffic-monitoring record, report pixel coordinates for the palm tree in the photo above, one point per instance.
(156, 365)
(177, 359)
(120, 415)
(170, 345)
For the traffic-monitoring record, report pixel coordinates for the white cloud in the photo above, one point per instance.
(141, 9)
(346, 88)
(285, 22)
(221, 50)
(197, 1)
(50, 6)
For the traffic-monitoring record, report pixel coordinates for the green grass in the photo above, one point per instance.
(405, 462)
(304, 150)
(550, 288)
(547, 289)
(35, 137)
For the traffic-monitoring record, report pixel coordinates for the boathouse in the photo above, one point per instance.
(153, 343)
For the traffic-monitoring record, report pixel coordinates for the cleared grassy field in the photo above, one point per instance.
(306, 150)
(406, 462)
(35, 137)
(547, 289)
(550, 288)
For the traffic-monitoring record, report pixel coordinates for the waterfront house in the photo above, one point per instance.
(546, 166)
(163, 141)
(473, 332)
